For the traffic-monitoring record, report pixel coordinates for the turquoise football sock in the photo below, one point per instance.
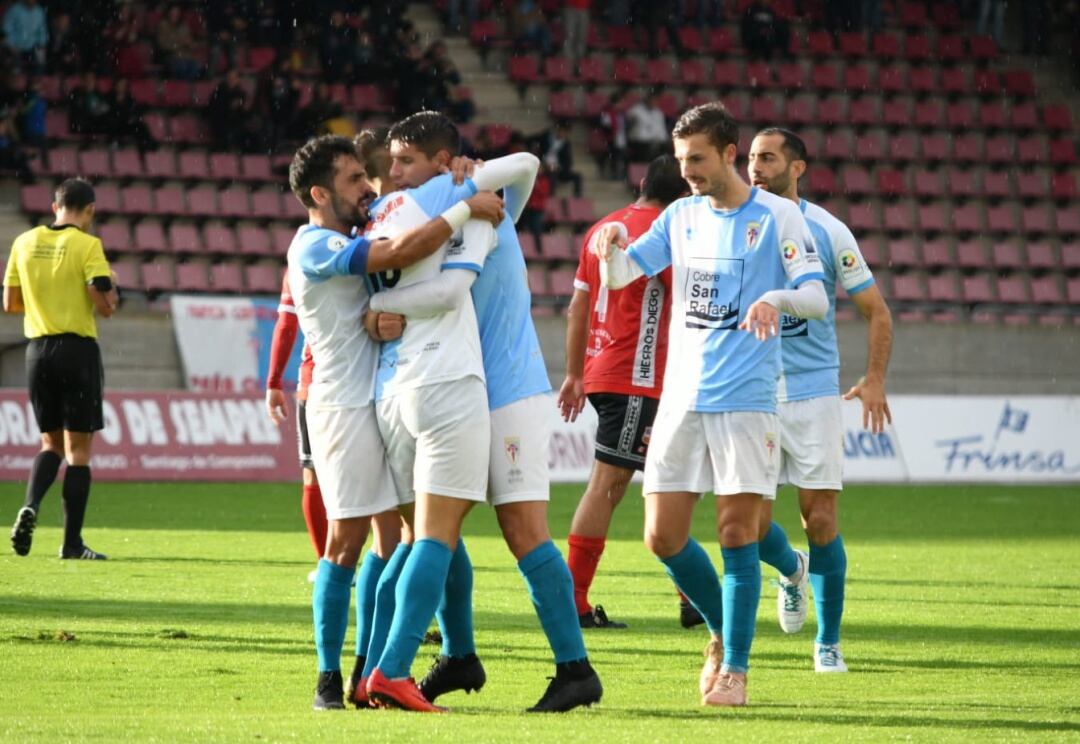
(385, 604)
(366, 584)
(552, 591)
(693, 572)
(330, 607)
(742, 592)
(777, 551)
(455, 613)
(828, 572)
(419, 591)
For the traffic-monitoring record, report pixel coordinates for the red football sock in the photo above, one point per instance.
(682, 597)
(583, 557)
(315, 517)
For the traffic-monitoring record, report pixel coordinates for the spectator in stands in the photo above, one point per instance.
(575, 28)
(336, 46)
(1036, 15)
(461, 107)
(533, 217)
(764, 31)
(276, 100)
(26, 33)
(126, 118)
(176, 45)
(841, 15)
(558, 156)
(226, 27)
(453, 18)
(63, 51)
(89, 109)
(367, 62)
(647, 133)
(12, 155)
(649, 17)
(1071, 21)
(122, 43)
(315, 118)
(529, 28)
(228, 115)
(613, 125)
(709, 12)
(31, 117)
(871, 16)
(992, 19)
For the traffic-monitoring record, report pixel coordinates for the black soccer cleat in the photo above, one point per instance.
(81, 553)
(450, 673)
(22, 534)
(575, 684)
(688, 615)
(597, 618)
(328, 692)
(356, 690)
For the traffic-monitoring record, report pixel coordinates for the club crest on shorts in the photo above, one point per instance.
(770, 443)
(753, 230)
(512, 446)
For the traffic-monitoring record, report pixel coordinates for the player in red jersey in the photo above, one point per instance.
(616, 347)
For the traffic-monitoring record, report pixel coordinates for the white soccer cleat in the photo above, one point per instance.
(791, 598)
(828, 658)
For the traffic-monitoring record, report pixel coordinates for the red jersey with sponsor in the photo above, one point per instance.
(628, 327)
(281, 348)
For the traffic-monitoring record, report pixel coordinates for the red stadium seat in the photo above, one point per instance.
(116, 237)
(193, 164)
(106, 198)
(281, 238)
(1046, 290)
(1024, 116)
(224, 166)
(992, 115)
(537, 276)
(150, 237)
(557, 247)
(968, 147)
(908, 288)
(1038, 220)
(1001, 219)
(896, 113)
(1062, 152)
(145, 91)
(897, 217)
(903, 147)
(822, 181)
(1063, 186)
(226, 277)
(820, 44)
(923, 80)
(863, 217)
(592, 71)
(161, 164)
(266, 203)
(950, 48)
(937, 253)
(790, 76)
(157, 276)
(254, 240)
(1007, 256)
(831, 111)
(256, 168)
(942, 287)
(63, 162)
(137, 199)
(1019, 83)
(177, 94)
(528, 246)
(800, 111)
(758, 75)
(1030, 150)
(853, 44)
(893, 79)
(936, 148)
(561, 282)
(127, 163)
(558, 71)
(983, 48)
(1032, 185)
(959, 116)
(987, 83)
(658, 72)
(220, 239)
(1056, 117)
(886, 45)
(976, 289)
(202, 202)
(188, 129)
(234, 202)
(903, 253)
(192, 277)
(929, 114)
(870, 147)
(890, 182)
(763, 110)
(1070, 257)
(692, 73)
(170, 201)
(825, 77)
(932, 218)
(524, 70)
(184, 238)
(967, 218)
(262, 279)
(562, 105)
(627, 71)
(971, 254)
(856, 79)
(839, 145)
(1041, 256)
(995, 184)
(927, 184)
(864, 112)
(721, 41)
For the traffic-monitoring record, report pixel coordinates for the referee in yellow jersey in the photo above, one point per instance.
(58, 276)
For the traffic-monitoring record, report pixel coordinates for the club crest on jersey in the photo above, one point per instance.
(753, 230)
(512, 445)
(336, 243)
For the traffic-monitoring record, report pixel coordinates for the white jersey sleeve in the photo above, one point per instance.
(470, 247)
(652, 251)
(852, 270)
(797, 250)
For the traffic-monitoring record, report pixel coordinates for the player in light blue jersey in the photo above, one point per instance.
(519, 400)
(811, 444)
(733, 250)
(326, 274)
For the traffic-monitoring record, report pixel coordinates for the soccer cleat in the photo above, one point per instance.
(597, 618)
(398, 693)
(575, 683)
(714, 658)
(357, 693)
(22, 534)
(828, 658)
(729, 689)
(81, 553)
(450, 673)
(791, 599)
(328, 694)
(688, 614)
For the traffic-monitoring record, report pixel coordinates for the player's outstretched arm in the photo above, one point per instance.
(870, 389)
(807, 301)
(515, 173)
(420, 242)
(571, 399)
(616, 268)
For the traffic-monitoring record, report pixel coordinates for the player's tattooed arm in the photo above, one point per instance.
(420, 242)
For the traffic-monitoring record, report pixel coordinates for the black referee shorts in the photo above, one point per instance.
(622, 436)
(66, 381)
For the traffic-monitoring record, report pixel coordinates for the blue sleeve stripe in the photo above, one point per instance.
(809, 278)
(461, 265)
(640, 262)
(471, 185)
(358, 256)
(865, 285)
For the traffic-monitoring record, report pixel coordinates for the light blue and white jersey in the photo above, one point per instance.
(513, 362)
(326, 276)
(442, 347)
(811, 358)
(723, 261)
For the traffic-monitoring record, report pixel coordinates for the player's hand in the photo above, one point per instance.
(390, 326)
(762, 320)
(487, 205)
(605, 237)
(461, 168)
(371, 324)
(875, 407)
(571, 399)
(276, 406)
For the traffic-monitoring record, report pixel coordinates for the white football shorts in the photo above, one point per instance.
(812, 443)
(348, 455)
(520, 437)
(437, 439)
(725, 453)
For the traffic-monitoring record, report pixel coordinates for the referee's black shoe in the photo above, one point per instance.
(597, 618)
(22, 534)
(575, 684)
(329, 694)
(450, 673)
(81, 553)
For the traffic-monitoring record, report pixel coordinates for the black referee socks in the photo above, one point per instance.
(42, 475)
(76, 494)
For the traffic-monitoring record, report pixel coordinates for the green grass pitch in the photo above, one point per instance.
(962, 623)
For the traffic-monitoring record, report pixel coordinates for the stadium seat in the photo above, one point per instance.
(281, 238)
(1019, 83)
(137, 199)
(1063, 186)
(721, 41)
(764, 111)
(692, 73)
(897, 113)
(658, 72)
(967, 218)
(1068, 222)
(822, 181)
(987, 83)
(1041, 256)
(192, 277)
(254, 241)
(157, 276)
(927, 184)
(116, 237)
(188, 129)
(893, 79)
(63, 162)
(863, 217)
(864, 112)
(224, 166)
(897, 217)
(127, 163)
(557, 247)
(1032, 184)
(870, 147)
(220, 239)
(942, 287)
(558, 71)
(790, 76)
(832, 111)
(523, 70)
(992, 115)
(923, 80)
(592, 71)
(886, 45)
(561, 282)
(176, 94)
(820, 44)
(1007, 256)
(128, 274)
(169, 201)
(1056, 117)
(150, 237)
(890, 182)
(1000, 149)
(202, 202)
(758, 75)
(145, 91)
(193, 164)
(839, 145)
(937, 253)
(266, 203)
(929, 114)
(94, 164)
(976, 289)
(184, 238)
(626, 71)
(903, 147)
(983, 48)
(1031, 150)
(107, 198)
(1038, 220)
(932, 218)
(1046, 290)
(1062, 152)
(903, 253)
(233, 202)
(528, 246)
(971, 254)
(908, 287)
(1070, 257)
(256, 168)
(800, 111)
(1001, 219)
(537, 277)
(161, 164)
(226, 277)
(959, 116)
(968, 147)
(950, 48)
(853, 44)
(995, 184)
(857, 181)
(1023, 116)
(825, 77)
(262, 279)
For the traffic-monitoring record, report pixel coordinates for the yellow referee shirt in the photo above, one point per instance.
(52, 266)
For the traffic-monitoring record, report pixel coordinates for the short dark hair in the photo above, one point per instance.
(371, 147)
(74, 193)
(793, 145)
(313, 165)
(711, 119)
(663, 181)
(429, 131)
